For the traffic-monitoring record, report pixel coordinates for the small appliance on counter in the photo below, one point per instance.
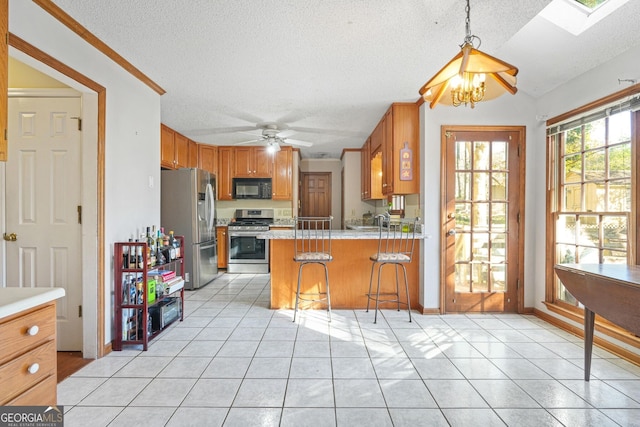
(247, 253)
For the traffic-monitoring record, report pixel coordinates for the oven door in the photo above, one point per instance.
(246, 248)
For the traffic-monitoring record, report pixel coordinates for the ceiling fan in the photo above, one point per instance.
(274, 134)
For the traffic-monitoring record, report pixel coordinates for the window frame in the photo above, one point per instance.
(553, 168)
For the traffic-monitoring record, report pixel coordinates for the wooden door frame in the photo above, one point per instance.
(101, 92)
(521, 131)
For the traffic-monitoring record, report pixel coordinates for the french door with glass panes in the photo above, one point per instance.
(483, 176)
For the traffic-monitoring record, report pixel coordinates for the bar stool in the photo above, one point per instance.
(395, 247)
(312, 245)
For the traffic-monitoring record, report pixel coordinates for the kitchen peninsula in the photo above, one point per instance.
(349, 272)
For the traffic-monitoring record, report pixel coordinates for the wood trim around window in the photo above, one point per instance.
(552, 168)
(44, 58)
(94, 41)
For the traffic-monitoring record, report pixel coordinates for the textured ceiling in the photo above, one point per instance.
(328, 69)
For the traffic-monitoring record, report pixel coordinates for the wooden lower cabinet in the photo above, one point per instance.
(28, 363)
(223, 250)
(349, 274)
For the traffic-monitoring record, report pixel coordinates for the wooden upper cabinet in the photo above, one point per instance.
(252, 162)
(225, 172)
(193, 154)
(401, 137)
(282, 178)
(174, 149)
(167, 147)
(182, 151)
(383, 171)
(4, 78)
(365, 166)
(208, 158)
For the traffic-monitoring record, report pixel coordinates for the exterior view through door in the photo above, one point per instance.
(482, 218)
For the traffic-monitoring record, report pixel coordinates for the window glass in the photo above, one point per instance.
(595, 190)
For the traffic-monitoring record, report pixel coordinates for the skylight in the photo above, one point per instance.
(577, 16)
(591, 4)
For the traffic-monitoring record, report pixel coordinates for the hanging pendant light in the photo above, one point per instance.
(471, 76)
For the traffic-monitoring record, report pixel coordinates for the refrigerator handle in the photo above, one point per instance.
(210, 211)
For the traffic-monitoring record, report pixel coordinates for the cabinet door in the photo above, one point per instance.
(388, 169)
(223, 254)
(225, 172)
(182, 151)
(282, 182)
(208, 158)
(406, 123)
(193, 154)
(167, 147)
(365, 176)
(243, 162)
(262, 162)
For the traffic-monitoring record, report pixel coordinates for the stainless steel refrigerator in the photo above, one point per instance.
(188, 208)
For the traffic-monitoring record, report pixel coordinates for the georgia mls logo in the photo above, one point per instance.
(31, 416)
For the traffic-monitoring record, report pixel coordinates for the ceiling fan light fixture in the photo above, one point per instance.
(273, 147)
(471, 76)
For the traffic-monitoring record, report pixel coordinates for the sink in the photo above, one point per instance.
(363, 227)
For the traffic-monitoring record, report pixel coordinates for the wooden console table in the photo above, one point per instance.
(609, 290)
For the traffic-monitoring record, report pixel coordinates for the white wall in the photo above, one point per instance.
(132, 152)
(507, 110)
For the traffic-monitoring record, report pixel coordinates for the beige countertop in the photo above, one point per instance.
(15, 300)
(335, 234)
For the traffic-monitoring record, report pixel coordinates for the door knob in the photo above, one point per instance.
(10, 237)
(451, 232)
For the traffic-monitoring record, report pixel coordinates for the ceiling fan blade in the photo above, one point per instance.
(248, 142)
(337, 132)
(215, 131)
(286, 133)
(298, 142)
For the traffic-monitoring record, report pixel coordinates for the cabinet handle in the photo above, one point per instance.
(33, 368)
(33, 330)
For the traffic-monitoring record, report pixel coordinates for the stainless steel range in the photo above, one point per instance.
(247, 253)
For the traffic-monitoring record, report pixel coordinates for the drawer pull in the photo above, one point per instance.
(33, 331)
(33, 368)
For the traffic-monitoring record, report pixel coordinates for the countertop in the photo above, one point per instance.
(335, 234)
(15, 300)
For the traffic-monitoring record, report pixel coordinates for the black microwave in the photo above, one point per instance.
(252, 188)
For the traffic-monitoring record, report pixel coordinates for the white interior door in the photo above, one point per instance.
(43, 194)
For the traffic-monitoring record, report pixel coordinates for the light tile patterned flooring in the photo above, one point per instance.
(235, 362)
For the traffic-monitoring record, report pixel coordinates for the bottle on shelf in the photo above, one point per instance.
(159, 254)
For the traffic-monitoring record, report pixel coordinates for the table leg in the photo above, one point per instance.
(589, 320)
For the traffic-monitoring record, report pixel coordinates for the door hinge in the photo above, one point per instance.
(518, 284)
(518, 218)
(447, 134)
(80, 311)
(79, 214)
(79, 119)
